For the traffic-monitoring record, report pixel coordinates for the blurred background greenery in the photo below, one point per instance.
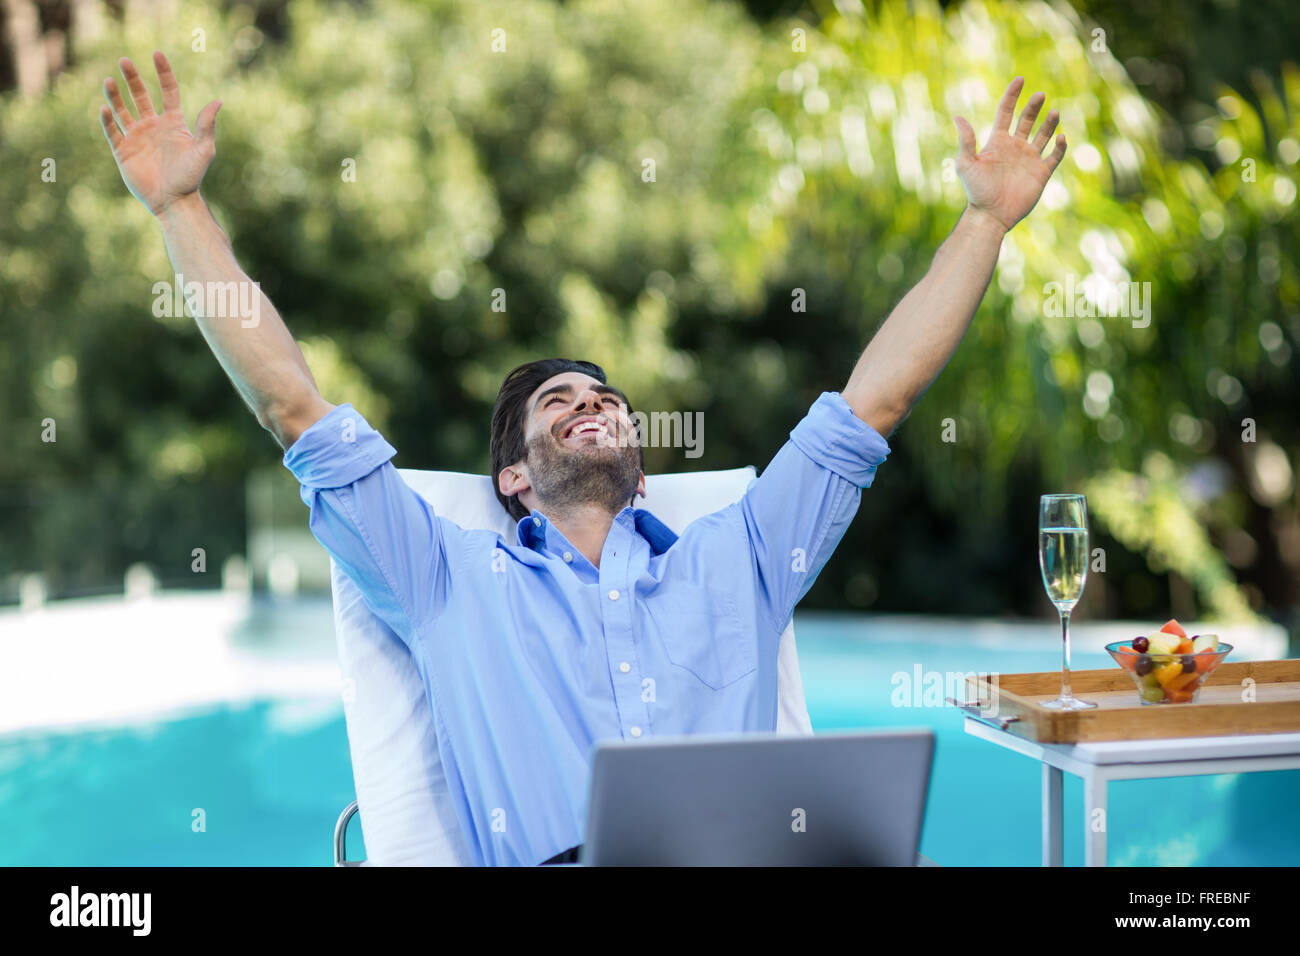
(796, 146)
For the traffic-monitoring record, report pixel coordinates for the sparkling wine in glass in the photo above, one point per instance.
(1063, 557)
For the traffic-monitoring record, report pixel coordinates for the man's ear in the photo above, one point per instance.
(513, 480)
(640, 485)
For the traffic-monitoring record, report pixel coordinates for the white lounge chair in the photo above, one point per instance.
(406, 811)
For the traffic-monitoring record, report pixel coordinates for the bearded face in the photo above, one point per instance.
(586, 457)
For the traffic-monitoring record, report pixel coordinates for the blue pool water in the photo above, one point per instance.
(271, 777)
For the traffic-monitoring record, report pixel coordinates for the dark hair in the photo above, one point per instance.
(510, 416)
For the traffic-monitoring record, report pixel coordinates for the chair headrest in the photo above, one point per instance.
(675, 499)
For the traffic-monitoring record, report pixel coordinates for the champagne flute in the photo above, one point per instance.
(1063, 558)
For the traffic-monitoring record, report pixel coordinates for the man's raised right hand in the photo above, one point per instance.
(159, 159)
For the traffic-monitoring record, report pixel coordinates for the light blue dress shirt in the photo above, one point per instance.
(530, 654)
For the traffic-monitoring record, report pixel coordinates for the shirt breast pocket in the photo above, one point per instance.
(711, 643)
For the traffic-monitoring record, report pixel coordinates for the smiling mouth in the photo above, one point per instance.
(592, 427)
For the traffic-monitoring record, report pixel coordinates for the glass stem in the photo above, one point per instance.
(1065, 655)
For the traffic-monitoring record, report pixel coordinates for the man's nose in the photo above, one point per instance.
(588, 399)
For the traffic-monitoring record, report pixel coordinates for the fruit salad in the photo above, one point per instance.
(1167, 665)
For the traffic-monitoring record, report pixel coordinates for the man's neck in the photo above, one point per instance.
(587, 526)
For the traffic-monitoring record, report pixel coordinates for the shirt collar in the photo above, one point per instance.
(531, 530)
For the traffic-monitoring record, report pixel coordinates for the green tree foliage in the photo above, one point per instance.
(647, 185)
(860, 125)
(430, 193)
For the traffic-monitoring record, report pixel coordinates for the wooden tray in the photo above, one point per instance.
(1218, 710)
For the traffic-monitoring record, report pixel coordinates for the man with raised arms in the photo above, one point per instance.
(593, 620)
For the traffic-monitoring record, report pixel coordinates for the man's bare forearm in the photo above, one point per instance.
(1003, 181)
(261, 358)
(914, 344)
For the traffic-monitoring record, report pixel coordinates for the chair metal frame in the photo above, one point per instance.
(341, 837)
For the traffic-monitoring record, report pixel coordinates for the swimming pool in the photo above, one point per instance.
(261, 780)
(256, 784)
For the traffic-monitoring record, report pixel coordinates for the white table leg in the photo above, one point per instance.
(1053, 814)
(1095, 819)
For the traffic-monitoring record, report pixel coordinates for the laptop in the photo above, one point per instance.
(844, 799)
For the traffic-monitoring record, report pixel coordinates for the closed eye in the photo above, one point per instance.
(609, 400)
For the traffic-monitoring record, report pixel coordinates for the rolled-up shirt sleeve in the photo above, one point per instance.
(383, 535)
(798, 509)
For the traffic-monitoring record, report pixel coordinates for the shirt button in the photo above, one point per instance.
(635, 731)
(537, 521)
(625, 667)
(613, 595)
(568, 555)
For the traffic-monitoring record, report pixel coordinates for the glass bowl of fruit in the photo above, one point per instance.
(1167, 666)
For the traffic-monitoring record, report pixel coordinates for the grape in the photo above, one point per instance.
(1144, 666)
(1141, 644)
(1189, 663)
